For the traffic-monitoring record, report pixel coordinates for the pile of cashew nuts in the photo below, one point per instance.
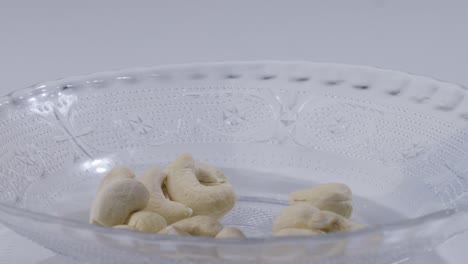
(188, 198)
(322, 209)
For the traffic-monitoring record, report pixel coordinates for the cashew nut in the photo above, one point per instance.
(215, 198)
(116, 173)
(126, 227)
(230, 232)
(297, 232)
(306, 216)
(334, 197)
(295, 216)
(153, 179)
(200, 225)
(331, 222)
(145, 221)
(117, 200)
(209, 175)
(171, 230)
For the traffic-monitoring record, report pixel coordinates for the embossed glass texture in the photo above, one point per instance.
(398, 140)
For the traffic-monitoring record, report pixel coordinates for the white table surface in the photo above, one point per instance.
(44, 40)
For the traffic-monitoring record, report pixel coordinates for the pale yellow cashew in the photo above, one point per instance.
(297, 232)
(126, 227)
(117, 200)
(153, 179)
(215, 198)
(295, 216)
(209, 175)
(327, 221)
(200, 225)
(115, 174)
(171, 230)
(145, 221)
(334, 197)
(230, 232)
(306, 216)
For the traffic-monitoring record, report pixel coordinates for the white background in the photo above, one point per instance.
(42, 40)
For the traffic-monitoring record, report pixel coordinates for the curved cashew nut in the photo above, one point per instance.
(117, 200)
(331, 222)
(153, 179)
(200, 225)
(230, 232)
(116, 173)
(334, 197)
(295, 216)
(171, 230)
(145, 221)
(209, 175)
(297, 232)
(213, 199)
(306, 216)
(126, 227)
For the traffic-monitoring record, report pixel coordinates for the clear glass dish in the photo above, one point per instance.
(398, 140)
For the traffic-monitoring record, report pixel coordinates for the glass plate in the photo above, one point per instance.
(398, 140)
